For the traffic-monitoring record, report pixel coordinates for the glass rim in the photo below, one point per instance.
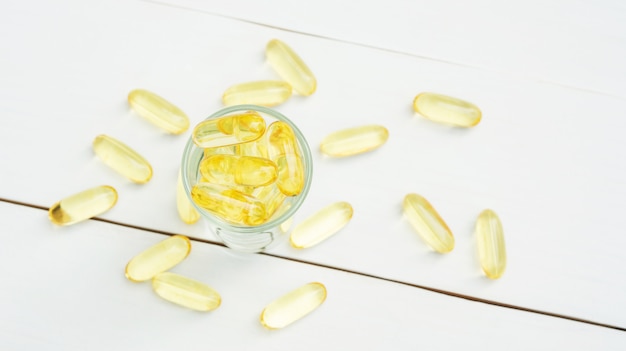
(299, 199)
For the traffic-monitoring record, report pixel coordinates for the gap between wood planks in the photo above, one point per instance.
(423, 287)
(373, 47)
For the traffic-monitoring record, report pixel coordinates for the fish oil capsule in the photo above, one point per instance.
(428, 224)
(158, 258)
(83, 205)
(186, 211)
(159, 111)
(446, 109)
(271, 197)
(354, 141)
(186, 292)
(321, 225)
(241, 170)
(122, 159)
(283, 150)
(290, 67)
(265, 93)
(491, 249)
(286, 225)
(257, 148)
(231, 205)
(293, 306)
(224, 150)
(229, 130)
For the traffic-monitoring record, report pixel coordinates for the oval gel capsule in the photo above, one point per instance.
(271, 197)
(159, 111)
(185, 208)
(491, 249)
(290, 67)
(265, 93)
(229, 130)
(428, 224)
(354, 141)
(293, 306)
(238, 170)
(321, 225)
(186, 292)
(284, 151)
(231, 205)
(447, 110)
(122, 159)
(158, 258)
(83, 205)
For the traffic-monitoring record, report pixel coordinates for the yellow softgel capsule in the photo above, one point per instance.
(238, 170)
(447, 110)
(257, 148)
(224, 150)
(293, 306)
(428, 224)
(158, 258)
(122, 159)
(265, 93)
(286, 225)
(491, 249)
(290, 67)
(186, 211)
(159, 111)
(231, 205)
(354, 141)
(321, 225)
(186, 292)
(283, 150)
(83, 205)
(229, 130)
(271, 197)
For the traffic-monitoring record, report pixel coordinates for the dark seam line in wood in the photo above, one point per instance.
(423, 287)
(392, 51)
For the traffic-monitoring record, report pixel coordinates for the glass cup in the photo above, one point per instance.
(247, 238)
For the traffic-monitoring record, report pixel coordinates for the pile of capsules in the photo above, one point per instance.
(249, 169)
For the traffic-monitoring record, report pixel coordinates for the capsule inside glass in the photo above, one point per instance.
(239, 237)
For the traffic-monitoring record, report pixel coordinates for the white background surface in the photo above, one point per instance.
(548, 157)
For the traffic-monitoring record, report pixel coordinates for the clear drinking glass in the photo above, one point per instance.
(247, 238)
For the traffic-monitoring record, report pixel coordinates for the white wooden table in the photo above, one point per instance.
(548, 156)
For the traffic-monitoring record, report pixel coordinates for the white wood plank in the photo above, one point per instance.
(548, 159)
(575, 43)
(64, 289)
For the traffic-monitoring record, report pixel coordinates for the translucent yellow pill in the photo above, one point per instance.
(446, 109)
(83, 205)
(224, 150)
(159, 111)
(354, 141)
(265, 93)
(428, 224)
(321, 225)
(284, 151)
(491, 249)
(186, 211)
(286, 225)
(257, 148)
(158, 258)
(271, 197)
(186, 292)
(293, 306)
(229, 130)
(290, 67)
(122, 159)
(238, 170)
(229, 204)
